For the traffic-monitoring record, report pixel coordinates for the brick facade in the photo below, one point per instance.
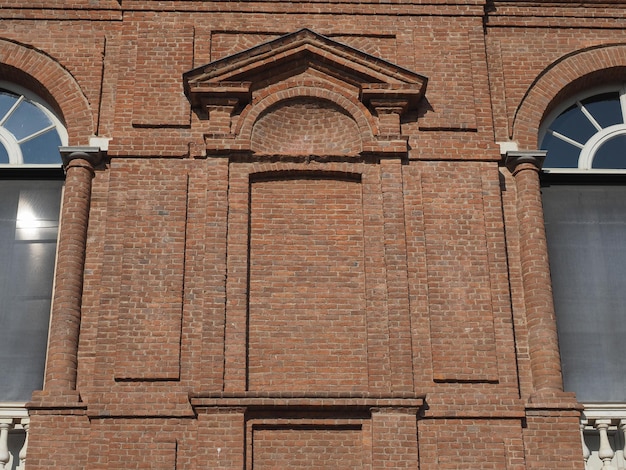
(302, 247)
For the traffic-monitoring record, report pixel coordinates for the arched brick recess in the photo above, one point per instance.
(305, 126)
(563, 78)
(52, 82)
(338, 102)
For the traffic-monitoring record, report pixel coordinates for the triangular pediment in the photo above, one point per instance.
(238, 75)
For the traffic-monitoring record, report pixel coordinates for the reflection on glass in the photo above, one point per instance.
(37, 215)
(29, 218)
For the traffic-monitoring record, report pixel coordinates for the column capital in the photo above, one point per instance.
(514, 159)
(93, 155)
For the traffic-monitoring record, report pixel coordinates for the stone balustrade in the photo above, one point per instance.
(14, 423)
(603, 434)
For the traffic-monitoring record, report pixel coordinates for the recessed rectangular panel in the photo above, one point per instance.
(465, 444)
(308, 447)
(307, 325)
(459, 285)
(151, 291)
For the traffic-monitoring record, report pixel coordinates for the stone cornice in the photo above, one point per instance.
(514, 159)
(93, 155)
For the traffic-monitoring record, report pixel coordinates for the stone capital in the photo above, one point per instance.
(517, 160)
(92, 155)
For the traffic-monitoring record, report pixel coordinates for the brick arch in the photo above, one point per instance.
(47, 78)
(305, 126)
(341, 105)
(570, 74)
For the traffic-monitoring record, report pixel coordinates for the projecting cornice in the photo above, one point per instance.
(238, 75)
(255, 101)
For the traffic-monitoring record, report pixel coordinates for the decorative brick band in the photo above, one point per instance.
(401, 401)
(79, 164)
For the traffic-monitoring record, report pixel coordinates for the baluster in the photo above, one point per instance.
(586, 451)
(5, 424)
(605, 452)
(622, 427)
(24, 449)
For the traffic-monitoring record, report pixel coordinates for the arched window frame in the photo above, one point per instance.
(30, 218)
(589, 148)
(12, 144)
(587, 239)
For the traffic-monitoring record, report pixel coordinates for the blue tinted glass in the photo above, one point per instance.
(612, 154)
(6, 101)
(4, 155)
(26, 120)
(42, 149)
(574, 124)
(560, 153)
(605, 109)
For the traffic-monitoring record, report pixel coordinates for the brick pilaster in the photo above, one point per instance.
(542, 333)
(79, 163)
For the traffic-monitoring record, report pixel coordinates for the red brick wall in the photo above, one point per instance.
(269, 283)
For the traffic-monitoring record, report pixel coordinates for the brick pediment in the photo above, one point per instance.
(236, 91)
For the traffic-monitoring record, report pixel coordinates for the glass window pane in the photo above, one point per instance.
(32, 126)
(586, 229)
(29, 217)
(26, 120)
(612, 154)
(42, 149)
(605, 109)
(6, 101)
(4, 155)
(560, 153)
(574, 124)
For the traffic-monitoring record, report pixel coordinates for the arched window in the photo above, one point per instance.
(31, 180)
(30, 133)
(584, 197)
(588, 132)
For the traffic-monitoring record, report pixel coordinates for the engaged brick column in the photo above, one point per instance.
(79, 163)
(543, 344)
